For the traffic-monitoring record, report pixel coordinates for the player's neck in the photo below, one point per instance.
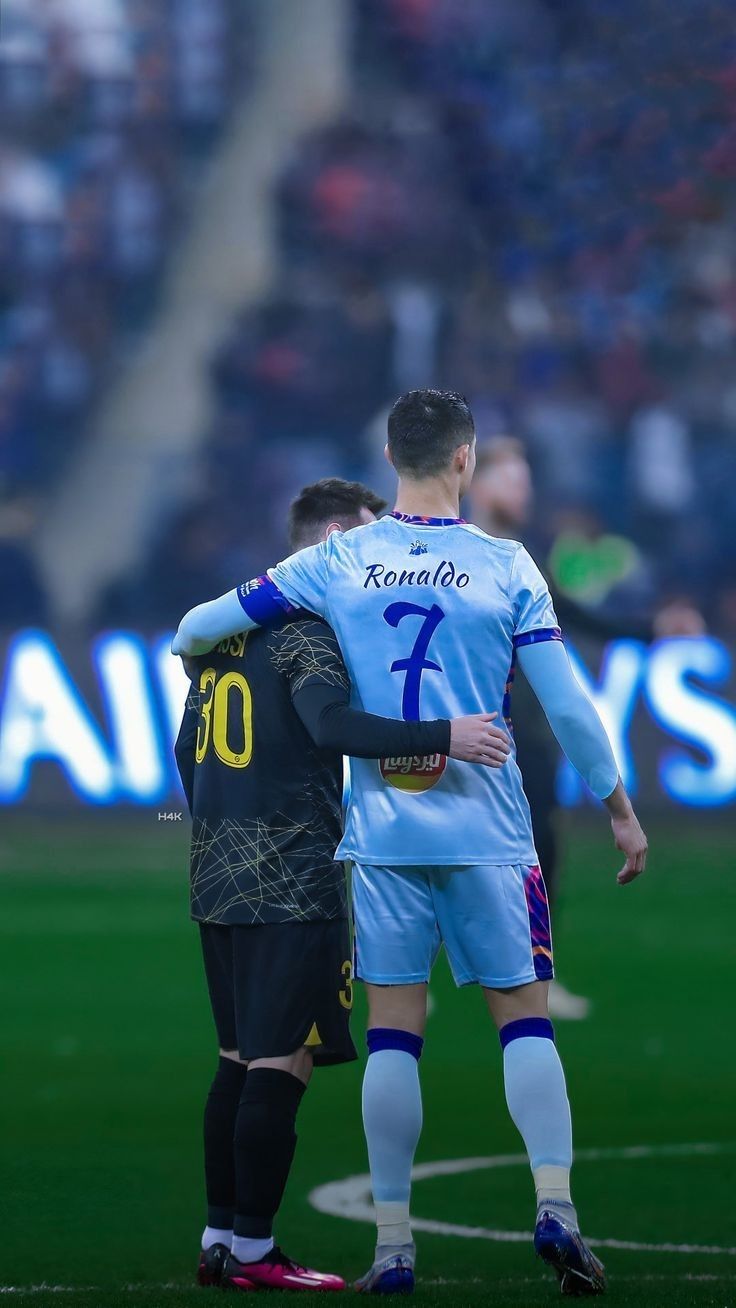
(431, 498)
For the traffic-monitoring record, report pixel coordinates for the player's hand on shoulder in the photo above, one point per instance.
(632, 842)
(476, 740)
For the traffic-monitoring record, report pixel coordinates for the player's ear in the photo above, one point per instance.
(387, 455)
(331, 526)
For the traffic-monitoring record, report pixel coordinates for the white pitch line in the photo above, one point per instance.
(179, 1286)
(434, 1280)
(95, 1289)
(351, 1197)
(50, 1290)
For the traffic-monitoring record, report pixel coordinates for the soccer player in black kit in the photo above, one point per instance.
(260, 749)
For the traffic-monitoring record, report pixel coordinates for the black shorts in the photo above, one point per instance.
(276, 987)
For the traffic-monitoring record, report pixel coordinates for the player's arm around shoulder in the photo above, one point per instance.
(207, 624)
(298, 582)
(307, 653)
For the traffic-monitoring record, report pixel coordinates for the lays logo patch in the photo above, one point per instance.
(413, 775)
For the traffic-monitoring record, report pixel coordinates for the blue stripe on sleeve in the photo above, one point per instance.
(263, 601)
(535, 637)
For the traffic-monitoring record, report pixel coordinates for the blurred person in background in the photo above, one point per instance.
(501, 499)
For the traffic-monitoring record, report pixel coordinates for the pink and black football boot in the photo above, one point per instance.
(276, 1272)
(211, 1263)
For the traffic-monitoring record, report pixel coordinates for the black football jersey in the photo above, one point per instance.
(266, 802)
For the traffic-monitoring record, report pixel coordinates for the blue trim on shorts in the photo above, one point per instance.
(386, 1037)
(539, 1027)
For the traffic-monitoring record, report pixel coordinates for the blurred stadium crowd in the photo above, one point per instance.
(106, 107)
(531, 201)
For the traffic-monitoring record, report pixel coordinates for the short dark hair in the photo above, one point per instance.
(425, 428)
(325, 501)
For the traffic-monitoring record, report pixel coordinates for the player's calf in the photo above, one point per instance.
(537, 1100)
(220, 1113)
(264, 1145)
(392, 1117)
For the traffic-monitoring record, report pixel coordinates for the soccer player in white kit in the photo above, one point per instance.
(431, 615)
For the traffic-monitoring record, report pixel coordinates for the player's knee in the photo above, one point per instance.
(233, 1056)
(401, 1008)
(227, 1082)
(300, 1064)
(527, 1001)
(270, 1097)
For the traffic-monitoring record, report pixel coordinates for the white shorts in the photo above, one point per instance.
(493, 921)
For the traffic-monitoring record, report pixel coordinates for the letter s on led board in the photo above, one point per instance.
(693, 715)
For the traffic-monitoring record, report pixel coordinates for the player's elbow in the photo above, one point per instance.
(326, 734)
(190, 637)
(330, 729)
(565, 721)
(325, 740)
(604, 778)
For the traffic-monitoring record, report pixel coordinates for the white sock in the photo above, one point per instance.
(393, 1226)
(251, 1251)
(392, 1118)
(552, 1184)
(537, 1100)
(213, 1235)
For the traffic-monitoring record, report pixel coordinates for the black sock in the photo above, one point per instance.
(265, 1141)
(220, 1113)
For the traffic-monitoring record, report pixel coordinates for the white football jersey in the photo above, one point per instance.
(428, 613)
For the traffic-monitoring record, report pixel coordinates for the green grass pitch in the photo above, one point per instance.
(107, 1051)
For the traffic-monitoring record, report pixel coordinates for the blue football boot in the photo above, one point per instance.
(558, 1242)
(391, 1275)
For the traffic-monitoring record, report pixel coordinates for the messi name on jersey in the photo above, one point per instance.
(445, 574)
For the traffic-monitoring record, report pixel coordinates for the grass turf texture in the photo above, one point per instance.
(108, 1050)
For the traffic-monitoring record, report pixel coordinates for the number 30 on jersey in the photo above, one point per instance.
(217, 695)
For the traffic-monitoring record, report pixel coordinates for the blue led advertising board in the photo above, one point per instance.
(95, 724)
